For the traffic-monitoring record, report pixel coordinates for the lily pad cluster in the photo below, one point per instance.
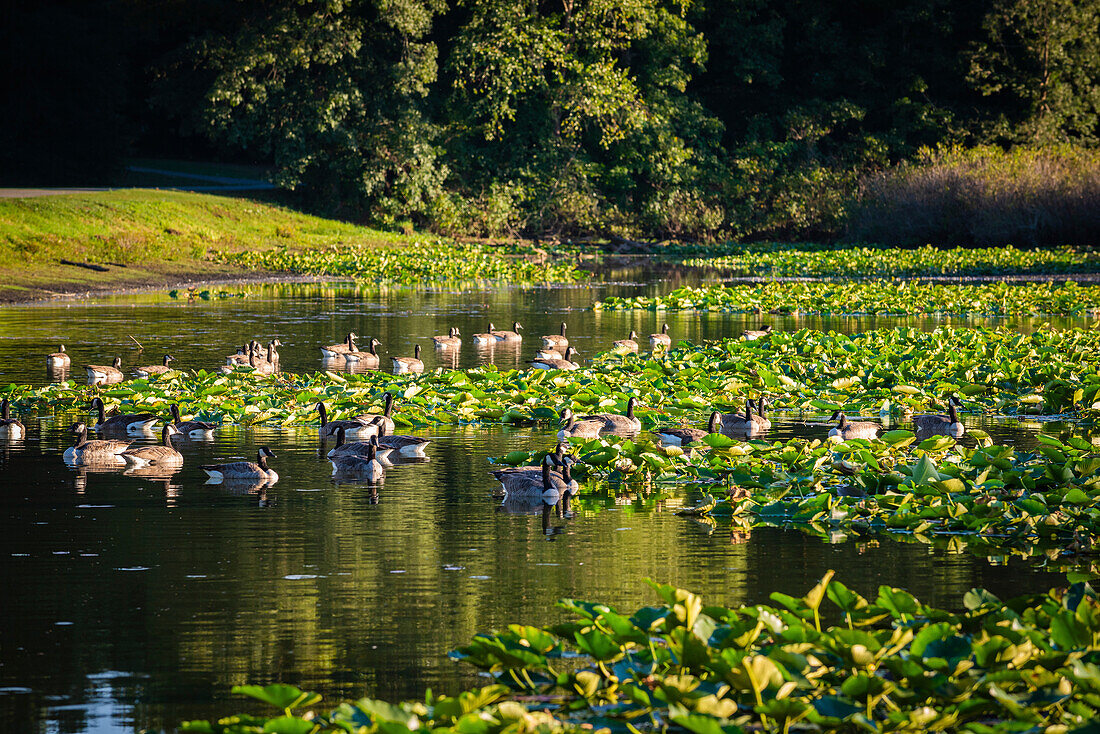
(794, 260)
(886, 371)
(421, 261)
(831, 660)
(998, 498)
(883, 297)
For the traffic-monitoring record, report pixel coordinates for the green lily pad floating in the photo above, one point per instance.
(890, 663)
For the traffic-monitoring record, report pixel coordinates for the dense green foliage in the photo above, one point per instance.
(674, 118)
(419, 261)
(872, 297)
(784, 260)
(888, 664)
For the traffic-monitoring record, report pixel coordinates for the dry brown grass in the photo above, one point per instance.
(984, 196)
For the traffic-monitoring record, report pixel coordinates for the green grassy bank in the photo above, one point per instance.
(148, 238)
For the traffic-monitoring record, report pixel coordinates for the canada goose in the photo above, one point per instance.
(244, 470)
(265, 366)
(368, 358)
(408, 446)
(353, 427)
(556, 341)
(509, 336)
(760, 419)
(154, 369)
(84, 451)
(448, 342)
(628, 345)
(941, 425)
(100, 373)
(134, 424)
(164, 453)
(846, 431)
(10, 427)
(754, 334)
(684, 436)
(614, 422)
(58, 360)
(270, 351)
(660, 340)
(565, 363)
(579, 428)
(402, 365)
(562, 479)
(741, 423)
(192, 429)
(243, 353)
(385, 420)
(357, 465)
(357, 447)
(337, 350)
(531, 483)
(487, 338)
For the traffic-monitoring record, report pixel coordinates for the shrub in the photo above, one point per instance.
(984, 196)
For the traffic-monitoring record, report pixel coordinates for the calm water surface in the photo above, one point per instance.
(133, 602)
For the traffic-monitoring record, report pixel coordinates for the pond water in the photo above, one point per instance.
(134, 602)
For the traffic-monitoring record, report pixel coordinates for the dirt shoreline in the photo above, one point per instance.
(64, 292)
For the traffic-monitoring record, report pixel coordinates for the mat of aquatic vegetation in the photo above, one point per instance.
(802, 260)
(890, 370)
(885, 664)
(421, 261)
(873, 297)
(996, 494)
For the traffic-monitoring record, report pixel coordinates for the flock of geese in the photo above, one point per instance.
(366, 444)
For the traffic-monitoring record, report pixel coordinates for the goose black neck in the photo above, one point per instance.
(416, 352)
(630, 409)
(951, 412)
(167, 359)
(372, 348)
(102, 411)
(372, 451)
(261, 459)
(176, 413)
(712, 425)
(563, 328)
(117, 364)
(5, 410)
(843, 421)
(341, 434)
(165, 437)
(81, 435)
(546, 479)
(323, 413)
(760, 407)
(748, 410)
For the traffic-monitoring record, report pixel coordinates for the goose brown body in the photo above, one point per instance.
(59, 359)
(558, 342)
(846, 430)
(10, 427)
(408, 364)
(164, 453)
(104, 374)
(244, 470)
(99, 451)
(684, 436)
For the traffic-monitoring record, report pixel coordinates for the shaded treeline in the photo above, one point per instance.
(742, 118)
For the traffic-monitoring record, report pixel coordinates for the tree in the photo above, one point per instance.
(332, 92)
(579, 106)
(1040, 64)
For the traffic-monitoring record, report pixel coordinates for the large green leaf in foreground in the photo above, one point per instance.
(831, 660)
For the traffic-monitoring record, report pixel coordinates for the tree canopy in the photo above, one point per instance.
(670, 118)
